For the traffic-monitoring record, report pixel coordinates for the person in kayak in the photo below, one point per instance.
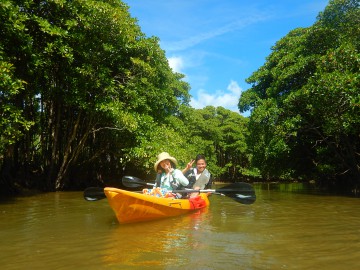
(199, 177)
(168, 177)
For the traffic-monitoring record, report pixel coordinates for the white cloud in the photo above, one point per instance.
(234, 88)
(176, 63)
(228, 99)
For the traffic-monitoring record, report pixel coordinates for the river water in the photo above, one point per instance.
(281, 230)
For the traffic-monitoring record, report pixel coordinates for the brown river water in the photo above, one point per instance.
(281, 230)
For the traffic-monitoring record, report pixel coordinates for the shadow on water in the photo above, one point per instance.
(304, 188)
(7, 199)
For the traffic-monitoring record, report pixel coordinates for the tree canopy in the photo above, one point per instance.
(86, 97)
(305, 101)
(80, 76)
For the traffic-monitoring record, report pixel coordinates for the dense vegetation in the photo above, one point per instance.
(86, 97)
(305, 101)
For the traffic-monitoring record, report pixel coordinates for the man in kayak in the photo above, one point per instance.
(199, 177)
(168, 177)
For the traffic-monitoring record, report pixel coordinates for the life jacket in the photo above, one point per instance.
(203, 182)
(173, 184)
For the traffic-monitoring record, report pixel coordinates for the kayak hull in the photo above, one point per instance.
(132, 207)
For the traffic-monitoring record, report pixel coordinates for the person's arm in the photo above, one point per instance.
(188, 166)
(179, 176)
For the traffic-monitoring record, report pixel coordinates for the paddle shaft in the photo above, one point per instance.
(240, 191)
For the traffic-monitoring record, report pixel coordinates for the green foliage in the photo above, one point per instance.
(156, 139)
(219, 134)
(85, 95)
(13, 124)
(305, 101)
(90, 80)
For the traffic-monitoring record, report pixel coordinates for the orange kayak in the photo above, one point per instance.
(135, 207)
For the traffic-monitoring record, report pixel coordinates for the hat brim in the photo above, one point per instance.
(173, 160)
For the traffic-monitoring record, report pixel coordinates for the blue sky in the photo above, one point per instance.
(217, 44)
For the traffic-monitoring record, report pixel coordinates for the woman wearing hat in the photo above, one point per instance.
(167, 175)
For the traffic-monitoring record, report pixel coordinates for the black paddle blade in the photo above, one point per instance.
(241, 192)
(94, 194)
(134, 182)
(241, 198)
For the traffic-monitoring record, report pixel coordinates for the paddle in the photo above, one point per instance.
(240, 192)
(97, 193)
(94, 193)
(134, 182)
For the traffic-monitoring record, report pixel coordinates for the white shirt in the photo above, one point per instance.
(176, 175)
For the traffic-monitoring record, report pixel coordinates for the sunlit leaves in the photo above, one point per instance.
(304, 99)
(220, 135)
(13, 123)
(94, 85)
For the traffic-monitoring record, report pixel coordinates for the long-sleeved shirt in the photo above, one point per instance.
(172, 181)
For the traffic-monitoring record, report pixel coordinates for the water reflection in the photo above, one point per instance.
(282, 230)
(153, 243)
